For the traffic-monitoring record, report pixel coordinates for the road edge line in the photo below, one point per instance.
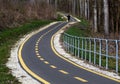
(75, 64)
(22, 63)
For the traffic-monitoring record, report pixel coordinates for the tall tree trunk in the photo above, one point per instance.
(81, 8)
(117, 23)
(48, 1)
(73, 7)
(78, 7)
(95, 16)
(106, 17)
(56, 3)
(86, 9)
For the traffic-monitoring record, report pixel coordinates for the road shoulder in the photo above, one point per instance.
(58, 49)
(13, 62)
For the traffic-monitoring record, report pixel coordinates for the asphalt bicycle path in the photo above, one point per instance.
(38, 59)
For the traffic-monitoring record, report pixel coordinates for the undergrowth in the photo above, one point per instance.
(8, 37)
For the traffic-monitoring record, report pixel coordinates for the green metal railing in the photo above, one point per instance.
(102, 52)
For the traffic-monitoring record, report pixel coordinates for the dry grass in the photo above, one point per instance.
(15, 12)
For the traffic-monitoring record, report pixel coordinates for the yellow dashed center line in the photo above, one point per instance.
(36, 44)
(39, 40)
(46, 62)
(38, 56)
(41, 59)
(52, 66)
(36, 48)
(81, 79)
(36, 51)
(64, 72)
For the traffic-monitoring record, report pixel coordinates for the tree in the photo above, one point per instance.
(100, 13)
(95, 16)
(106, 17)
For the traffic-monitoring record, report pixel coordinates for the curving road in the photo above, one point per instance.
(38, 59)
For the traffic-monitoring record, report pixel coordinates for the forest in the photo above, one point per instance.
(103, 15)
(20, 17)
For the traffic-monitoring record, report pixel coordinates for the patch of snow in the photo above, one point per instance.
(25, 78)
(16, 69)
(60, 50)
(13, 62)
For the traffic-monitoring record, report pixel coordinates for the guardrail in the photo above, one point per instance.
(102, 52)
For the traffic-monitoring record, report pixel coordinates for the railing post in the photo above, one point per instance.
(100, 52)
(72, 45)
(94, 51)
(75, 46)
(90, 50)
(106, 54)
(85, 49)
(68, 44)
(78, 47)
(64, 41)
(117, 56)
(82, 48)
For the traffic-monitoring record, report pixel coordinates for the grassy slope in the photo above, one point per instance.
(7, 38)
(79, 29)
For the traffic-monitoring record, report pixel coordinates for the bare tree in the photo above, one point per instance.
(100, 13)
(106, 17)
(56, 1)
(86, 8)
(95, 16)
